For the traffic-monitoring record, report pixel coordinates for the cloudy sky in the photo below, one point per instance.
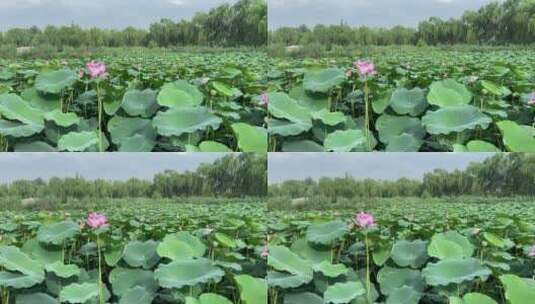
(364, 12)
(118, 166)
(100, 13)
(387, 166)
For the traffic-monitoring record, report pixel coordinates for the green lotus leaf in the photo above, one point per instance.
(18, 280)
(175, 122)
(62, 119)
(223, 88)
(137, 143)
(43, 102)
(455, 119)
(454, 271)
(180, 94)
(409, 253)
(42, 253)
(494, 89)
(382, 101)
(301, 146)
(123, 280)
(473, 298)
(330, 270)
(6, 74)
(35, 298)
(518, 290)
(180, 245)
(343, 292)
(213, 146)
(450, 245)
(78, 141)
(282, 259)
(390, 127)
(124, 128)
(63, 271)
(314, 102)
(404, 143)
(137, 295)
(55, 81)
(329, 118)
(448, 93)
(140, 103)
(57, 233)
(287, 128)
(515, 137)
(34, 146)
(79, 293)
(302, 298)
(208, 298)
(15, 108)
(18, 129)
(141, 254)
(412, 102)
(285, 280)
(480, 146)
(250, 138)
(348, 141)
(225, 240)
(323, 80)
(312, 254)
(252, 290)
(12, 259)
(282, 106)
(404, 295)
(391, 279)
(326, 233)
(187, 272)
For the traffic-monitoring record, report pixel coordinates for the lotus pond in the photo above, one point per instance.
(185, 253)
(140, 102)
(414, 253)
(418, 100)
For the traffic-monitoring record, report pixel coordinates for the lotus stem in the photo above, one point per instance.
(99, 102)
(100, 295)
(368, 281)
(367, 114)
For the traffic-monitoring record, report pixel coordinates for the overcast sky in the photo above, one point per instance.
(118, 166)
(386, 166)
(100, 13)
(373, 13)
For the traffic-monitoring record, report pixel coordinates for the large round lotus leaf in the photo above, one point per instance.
(301, 146)
(406, 253)
(225, 240)
(252, 290)
(473, 298)
(282, 106)
(179, 94)
(343, 292)
(208, 298)
(515, 137)
(63, 271)
(329, 118)
(213, 146)
(123, 128)
(330, 270)
(223, 89)
(43, 102)
(188, 272)
(56, 81)
(57, 233)
(404, 295)
(390, 126)
(404, 143)
(137, 143)
(175, 122)
(287, 128)
(15, 108)
(78, 141)
(495, 240)
(448, 93)
(450, 245)
(322, 81)
(42, 253)
(315, 255)
(286, 280)
(34, 146)
(347, 141)
(35, 298)
(518, 290)
(302, 298)
(137, 295)
(326, 233)
(62, 119)
(18, 129)
(412, 102)
(11, 258)
(455, 119)
(79, 293)
(141, 254)
(314, 102)
(454, 271)
(282, 259)
(391, 279)
(140, 103)
(180, 245)
(250, 138)
(481, 146)
(494, 89)
(6, 74)
(18, 280)
(123, 279)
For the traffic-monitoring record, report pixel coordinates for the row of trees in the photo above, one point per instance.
(230, 176)
(241, 24)
(510, 21)
(500, 175)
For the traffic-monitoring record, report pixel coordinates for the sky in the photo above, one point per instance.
(384, 166)
(373, 13)
(116, 166)
(116, 14)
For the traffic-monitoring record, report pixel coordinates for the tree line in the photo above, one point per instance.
(503, 175)
(241, 24)
(507, 22)
(240, 175)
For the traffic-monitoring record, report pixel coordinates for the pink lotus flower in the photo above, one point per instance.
(97, 220)
(365, 68)
(264, 99)
(531, 102)
(531, 252)
(364, 220)
(96, 69)
(265, 252)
